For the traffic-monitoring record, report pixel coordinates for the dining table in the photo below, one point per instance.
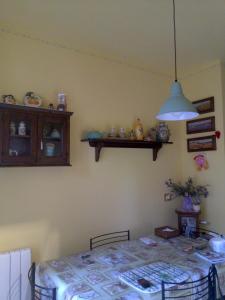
(96, 274)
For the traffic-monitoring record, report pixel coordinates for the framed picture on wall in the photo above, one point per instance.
(205, 105)
(200, 125)
(206, 143)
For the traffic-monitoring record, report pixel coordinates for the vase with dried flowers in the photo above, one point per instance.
(192, 193)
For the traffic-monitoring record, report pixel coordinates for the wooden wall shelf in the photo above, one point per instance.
(98, 144)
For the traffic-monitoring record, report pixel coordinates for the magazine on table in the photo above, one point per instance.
(211, 256)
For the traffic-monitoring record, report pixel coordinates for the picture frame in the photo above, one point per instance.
(188, 224)
(206, 143)
(167, 197)
(200, 125)
(205, 105)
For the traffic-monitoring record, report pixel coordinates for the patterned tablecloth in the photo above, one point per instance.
(94, 274)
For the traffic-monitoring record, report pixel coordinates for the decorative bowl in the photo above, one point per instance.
(90, 135)
(32, 100)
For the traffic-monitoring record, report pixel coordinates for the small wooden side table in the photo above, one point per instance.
(188, 221)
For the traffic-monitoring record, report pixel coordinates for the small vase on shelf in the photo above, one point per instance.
(139, 131)
(162, 132)
(196, 207)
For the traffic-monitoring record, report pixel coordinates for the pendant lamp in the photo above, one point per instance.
(177, 107)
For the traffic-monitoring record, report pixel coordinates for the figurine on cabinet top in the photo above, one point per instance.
(8, 99)
(51, 106)
(61, 101)
(32, 99)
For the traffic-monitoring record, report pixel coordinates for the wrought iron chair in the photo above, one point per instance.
(109, 238)
(201, 289)
(204, 233)
(39, 292)
(207, 235)
(219, 294)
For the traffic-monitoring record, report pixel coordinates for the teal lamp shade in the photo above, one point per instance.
(177, 107)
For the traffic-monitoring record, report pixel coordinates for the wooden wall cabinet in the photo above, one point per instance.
(34, 136)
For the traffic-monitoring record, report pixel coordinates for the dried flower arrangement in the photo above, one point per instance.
(189, 188)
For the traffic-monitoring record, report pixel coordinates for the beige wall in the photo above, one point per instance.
(56, 210)
(223, 91)
(209, 82)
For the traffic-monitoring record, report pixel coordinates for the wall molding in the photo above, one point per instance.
(201, 69)
(22, 35)
(183, 76)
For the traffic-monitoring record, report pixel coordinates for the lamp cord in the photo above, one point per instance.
(175, 40)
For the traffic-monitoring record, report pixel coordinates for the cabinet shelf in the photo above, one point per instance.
(98, 144)
(52, 139)
(16, 136)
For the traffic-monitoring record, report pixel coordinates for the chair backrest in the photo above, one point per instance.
(39, 292)
(219, 292)
(203, 233)
(109, 238)
(201, 289)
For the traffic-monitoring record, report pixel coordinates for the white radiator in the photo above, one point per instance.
(14, 267)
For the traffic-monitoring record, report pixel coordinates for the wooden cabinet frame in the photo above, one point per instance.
(188, 214)
(37, 117)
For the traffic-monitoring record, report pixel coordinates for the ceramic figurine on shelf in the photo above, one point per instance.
(22, 128)
(61, 101)
(131, 135)
(13, 152)
(122, 133)
(55, 134)
(138, 129)
(47, 130)
(152, 134)
(50, 149)
(12, 128)
(163, 132)
(113, 132)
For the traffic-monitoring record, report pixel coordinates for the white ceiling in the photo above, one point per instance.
(138, 32)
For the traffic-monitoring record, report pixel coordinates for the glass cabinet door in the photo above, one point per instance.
(20, 138)
(52, 140)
